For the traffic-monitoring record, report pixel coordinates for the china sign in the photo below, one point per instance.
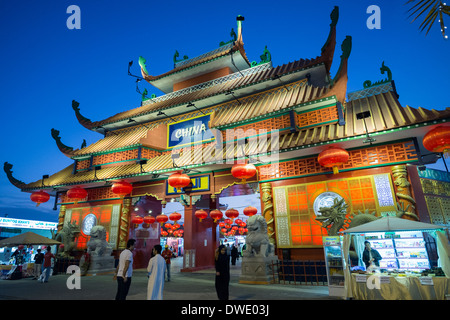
(189, 131)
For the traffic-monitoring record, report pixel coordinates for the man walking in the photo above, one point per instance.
(124, 271)
(167, 255)
(38, 259)
(48, 263)
(155, 269)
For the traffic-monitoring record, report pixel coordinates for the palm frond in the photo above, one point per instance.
(432, 9)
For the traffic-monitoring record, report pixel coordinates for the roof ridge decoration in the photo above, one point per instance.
(339, 82)
(383, 69)
(85, 122)
(377, 87)
(15, 182)
(330, 44)
(67, 151)
(185, 63)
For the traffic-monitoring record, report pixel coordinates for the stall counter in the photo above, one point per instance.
(365, 287)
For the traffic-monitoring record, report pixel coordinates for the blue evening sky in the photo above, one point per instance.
(44, 65)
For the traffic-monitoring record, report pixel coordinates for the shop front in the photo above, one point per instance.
(403, 270)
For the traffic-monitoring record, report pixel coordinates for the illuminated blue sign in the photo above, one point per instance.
(189, 131)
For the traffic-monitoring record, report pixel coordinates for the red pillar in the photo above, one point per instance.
(199, 237)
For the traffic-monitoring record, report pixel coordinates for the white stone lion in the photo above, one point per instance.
(98, 245)
(257, 241)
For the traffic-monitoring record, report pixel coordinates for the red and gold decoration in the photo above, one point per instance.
(76, 194)
(216, 215)
(148, 221)
(232, 214)
(39, 197)
(438, 140)
(178, 180)
(243, 171)
(162, 218)
(250, 211)
(201, 214)
(332, 158)
(175, 216)
(121, 188)
(136, 220)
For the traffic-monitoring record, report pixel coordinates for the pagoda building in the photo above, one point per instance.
(312, 144)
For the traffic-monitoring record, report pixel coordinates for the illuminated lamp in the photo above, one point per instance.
(162, 218)
(238, 221)
(228, 221)
(232, 213)
(224, 230)
(76, 194)
(241, 230)
(332, 158)
(168, 226)
(201, 214)
(250, 211)
(245, 230)
(39, 197)
(234, 228)
(121, 188)
(178, 180)
(438, 140)
(243, 171)
(181, 232)
(216, 215)
(170, 231)
(164, 233)
(175, 217)
(148, 221)
(221, 224)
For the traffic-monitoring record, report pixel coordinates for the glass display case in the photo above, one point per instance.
(400, 250)
(334, 265)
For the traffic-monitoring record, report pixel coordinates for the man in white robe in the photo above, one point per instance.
(156, 268)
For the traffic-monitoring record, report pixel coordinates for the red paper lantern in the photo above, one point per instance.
(250, 211)
(234, 228)
(438, 140)
(232, 213)
(39, 197)
(224, 230)
(136, 220)
(201, 214)
(241, 230)
(216, 215)
(162, 218)
(175, 217)
(238, 221)
(221, 224)
(243, 171)
(121, 188)
(332, 158)
(227, 221)
(164, 233)
(149, 219)
(178, 180)
(76, 194)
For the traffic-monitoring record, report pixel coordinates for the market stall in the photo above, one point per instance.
(24, 239)
(404, 271)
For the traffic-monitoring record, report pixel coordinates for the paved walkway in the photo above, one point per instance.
(195, 286)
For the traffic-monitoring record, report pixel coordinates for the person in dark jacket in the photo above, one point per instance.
(370, 255)
(222, 273)
(234, 255)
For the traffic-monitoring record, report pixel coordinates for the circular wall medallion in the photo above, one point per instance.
(325, 199)
(88, 223)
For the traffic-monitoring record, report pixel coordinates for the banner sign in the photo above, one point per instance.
(27, 224)
(199, 183)
(189, 131)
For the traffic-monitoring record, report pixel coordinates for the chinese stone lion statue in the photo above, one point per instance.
(257, 241)
(98, 245)
(67, 237)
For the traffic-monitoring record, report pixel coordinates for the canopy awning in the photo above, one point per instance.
(392, 224)
(27, 238)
